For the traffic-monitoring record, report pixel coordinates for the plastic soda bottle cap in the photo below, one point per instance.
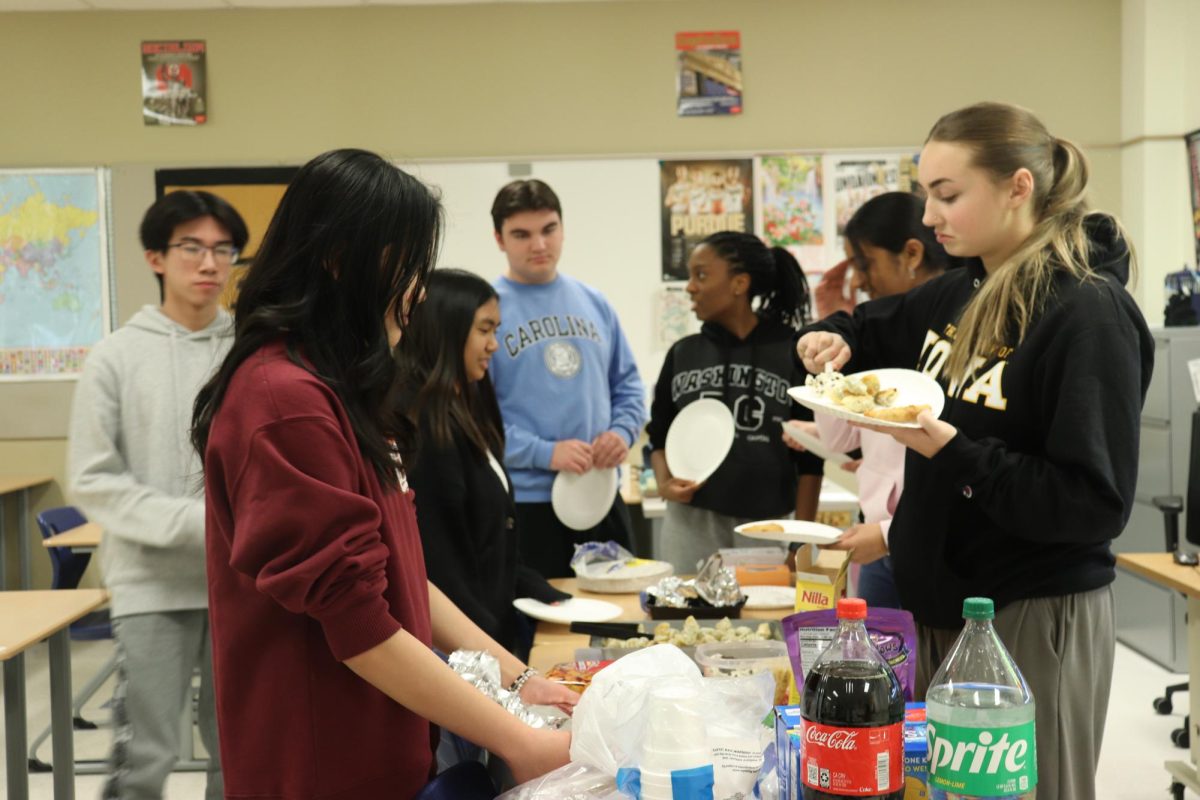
(979, 608)
(853, 608)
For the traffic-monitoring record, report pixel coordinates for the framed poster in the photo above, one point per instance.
(1193, 149)
(254, 191)
(708, 74)
(174, 83)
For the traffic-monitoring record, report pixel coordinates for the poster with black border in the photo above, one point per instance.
(1193, 150)
(701, 198)
(708, 75)
(174, 83)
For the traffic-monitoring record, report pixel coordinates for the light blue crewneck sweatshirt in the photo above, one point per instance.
(564, 371)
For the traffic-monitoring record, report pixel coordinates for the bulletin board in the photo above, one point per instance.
(254, 191)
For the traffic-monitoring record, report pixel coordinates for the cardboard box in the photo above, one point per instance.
(916, 753)
(787, 720)
(820, 577)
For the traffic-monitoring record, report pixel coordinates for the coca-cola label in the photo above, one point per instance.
(855, 762)
(988, 762)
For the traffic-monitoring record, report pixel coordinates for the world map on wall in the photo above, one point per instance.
(53, 272)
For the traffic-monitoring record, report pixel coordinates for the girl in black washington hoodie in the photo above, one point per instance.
(744, 357)
(1017, 491)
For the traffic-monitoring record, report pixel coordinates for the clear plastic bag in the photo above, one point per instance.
(609, 725)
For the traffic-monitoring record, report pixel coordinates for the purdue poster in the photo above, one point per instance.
(700, 198)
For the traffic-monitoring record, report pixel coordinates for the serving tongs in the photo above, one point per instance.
(609, 630)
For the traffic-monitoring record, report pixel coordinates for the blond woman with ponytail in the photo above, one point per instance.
(1018, 489)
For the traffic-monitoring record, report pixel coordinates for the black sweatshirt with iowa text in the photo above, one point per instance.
(1026, 499)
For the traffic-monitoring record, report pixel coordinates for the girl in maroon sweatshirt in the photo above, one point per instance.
(322, 617)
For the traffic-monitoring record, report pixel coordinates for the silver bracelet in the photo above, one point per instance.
(519, 683)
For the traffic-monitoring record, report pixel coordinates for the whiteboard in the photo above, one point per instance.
(611, 233)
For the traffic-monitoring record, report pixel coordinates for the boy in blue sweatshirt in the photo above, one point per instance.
(565, 378)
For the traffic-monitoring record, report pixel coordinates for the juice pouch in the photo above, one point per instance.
(893, 633)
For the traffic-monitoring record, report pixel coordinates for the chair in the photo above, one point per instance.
(1172, 506)
(466, 780)
(68, 567)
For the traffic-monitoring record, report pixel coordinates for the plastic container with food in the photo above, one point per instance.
(738, 659)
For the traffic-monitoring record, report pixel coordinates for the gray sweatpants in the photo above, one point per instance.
(1064, 646)
(690, 535)
(157, 655)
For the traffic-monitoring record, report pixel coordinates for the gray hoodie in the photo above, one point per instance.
(130, 465)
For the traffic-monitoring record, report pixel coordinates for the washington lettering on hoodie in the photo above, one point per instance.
(130, 464)
(751, 376)
(1026, 499)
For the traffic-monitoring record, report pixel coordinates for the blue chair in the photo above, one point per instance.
(68, 566)
(466, 780)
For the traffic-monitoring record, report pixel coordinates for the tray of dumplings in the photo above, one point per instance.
(615, 639)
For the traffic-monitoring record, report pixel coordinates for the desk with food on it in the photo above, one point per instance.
(555, 643)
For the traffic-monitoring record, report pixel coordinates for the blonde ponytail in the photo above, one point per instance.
(1003, 139)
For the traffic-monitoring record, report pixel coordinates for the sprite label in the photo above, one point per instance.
(982, 762)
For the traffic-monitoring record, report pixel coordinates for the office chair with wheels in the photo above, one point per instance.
(68, 568)
(1171, 507)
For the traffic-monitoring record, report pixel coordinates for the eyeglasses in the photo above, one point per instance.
(193, 253)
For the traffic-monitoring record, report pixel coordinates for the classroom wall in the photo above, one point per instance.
(516, 81)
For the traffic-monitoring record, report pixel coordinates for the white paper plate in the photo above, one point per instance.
(770, 596)
(577, 609)
(913, 389)
(699, 439)
(581, 501)
(814, 445)
(626, 578)
(794, 530)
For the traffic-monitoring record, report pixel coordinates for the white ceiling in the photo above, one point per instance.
(180, 5)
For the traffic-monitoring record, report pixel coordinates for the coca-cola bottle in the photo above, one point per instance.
(852, 717)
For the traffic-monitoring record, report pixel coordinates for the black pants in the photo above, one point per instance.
(547, 545)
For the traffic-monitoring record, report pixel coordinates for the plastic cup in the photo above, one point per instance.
(664, 761)
(675, 723)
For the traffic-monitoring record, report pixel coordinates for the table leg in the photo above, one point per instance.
(15, 732)
(23, 538)
(3, 546)
(61, 725)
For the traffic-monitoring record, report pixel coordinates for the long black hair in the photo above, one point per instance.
(352, 235)
(889, 220)
(434, 375)
(776, 280)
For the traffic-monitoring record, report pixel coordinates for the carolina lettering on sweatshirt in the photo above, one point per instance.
(1026, 499)
(564, 370)
(751, 377)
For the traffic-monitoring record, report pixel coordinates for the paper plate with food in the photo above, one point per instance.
(798, 531)
(890, 398)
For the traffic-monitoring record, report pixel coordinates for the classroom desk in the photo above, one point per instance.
(84, 537)
(1161, 569)
(19, 485)
(554, 644)
(27, 618)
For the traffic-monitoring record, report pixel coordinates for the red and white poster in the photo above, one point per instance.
(174, 83)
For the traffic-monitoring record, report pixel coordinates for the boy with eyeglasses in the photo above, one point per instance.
(132, 470)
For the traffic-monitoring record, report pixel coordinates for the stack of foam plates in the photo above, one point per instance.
(632, 576)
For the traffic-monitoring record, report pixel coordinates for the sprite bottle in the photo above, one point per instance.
(981, 718)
